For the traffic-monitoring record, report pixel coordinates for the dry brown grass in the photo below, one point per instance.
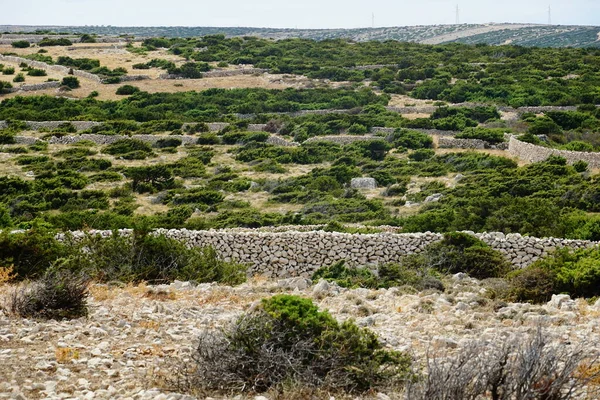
(7, 275)
(149, 324)
(65, 355)
(160, 295)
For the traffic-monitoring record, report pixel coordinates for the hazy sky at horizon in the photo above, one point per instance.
(300, 14)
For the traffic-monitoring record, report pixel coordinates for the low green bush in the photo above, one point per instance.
(31, 252)
(19, 78)
(151, 258)
(490, 135)
(575, 272)
(71, 82)
(462, 252)
(127, 90)
(129, 149)
(36, 72)
(406, 273)
(287, 341)
(403, 138)
(20, 44)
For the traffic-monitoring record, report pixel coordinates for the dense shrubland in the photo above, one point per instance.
(511, 75)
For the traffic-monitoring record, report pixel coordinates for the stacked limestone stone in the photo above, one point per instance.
(293, 253)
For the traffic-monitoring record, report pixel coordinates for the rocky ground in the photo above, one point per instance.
(121, 350)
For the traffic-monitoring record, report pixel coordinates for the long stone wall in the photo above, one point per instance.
(533, 153)
(293, 253)
(341, 139)
(453, 143)
(35, 86)
(108, 139)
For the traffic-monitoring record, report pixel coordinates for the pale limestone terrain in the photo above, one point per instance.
(134, 334)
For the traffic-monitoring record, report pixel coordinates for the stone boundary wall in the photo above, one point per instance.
(533, 153)
(35, 86)
(341, 139)
(79, 125)
(256, 127)
(293, 253)
(220, 73)
(430, 132)
(279, 141)
(59, 68)
(26, 140)
(109, 139)
(129, 78)
(453, 143)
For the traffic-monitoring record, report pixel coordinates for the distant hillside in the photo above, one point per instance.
(495, 34)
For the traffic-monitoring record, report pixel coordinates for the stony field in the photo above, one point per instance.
(135, 334)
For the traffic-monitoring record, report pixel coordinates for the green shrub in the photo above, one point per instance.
(7, 136)
(208, 138)
(489, 135)
(532, 284)
(169, 142)
(576, 272)
(129, 149)
(8, 71)
(288, 341)
(421, 154)
(580, 166)
(403, 138)
(31, 252)
(19, 78)
(20, 44)
(462, 252)
(150, 179)
(386, 276)
(151, 258)
(127, 90)
(71, 82)
(55, 42)
(36, 72)
(56, 295)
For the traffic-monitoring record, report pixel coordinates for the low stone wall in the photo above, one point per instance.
(294, 253)
(108, 139)
(233, 72)
(533, 153)
(279, 141)
(26, 140)
(256, 127)
(35, 86)
(79, 125)
(129, 78)
(341, 139)
(453, 143)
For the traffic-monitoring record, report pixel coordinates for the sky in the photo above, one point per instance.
(294, 14)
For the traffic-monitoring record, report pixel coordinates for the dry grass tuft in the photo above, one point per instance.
(66, 355)
(160, 295)
(6, 275)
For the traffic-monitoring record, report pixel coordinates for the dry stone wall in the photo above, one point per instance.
(341, 139)
(533, 153)
(279, 141)
(293, 253)
(108, 139)
(453, 143)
